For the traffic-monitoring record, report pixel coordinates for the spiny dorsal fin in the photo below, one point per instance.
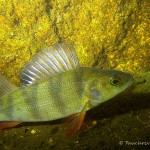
(5, 86)
(48, 62)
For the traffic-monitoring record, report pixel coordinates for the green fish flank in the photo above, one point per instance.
(54, 86)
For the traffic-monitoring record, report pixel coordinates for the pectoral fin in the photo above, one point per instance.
(8, 124)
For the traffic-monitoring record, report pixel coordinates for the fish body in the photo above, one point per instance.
(56, 97)
(54, 86)
(49, 99)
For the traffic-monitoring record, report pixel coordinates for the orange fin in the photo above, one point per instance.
(74, 123)
(8, 124)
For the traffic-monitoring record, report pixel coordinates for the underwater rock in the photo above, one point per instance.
(109, 34)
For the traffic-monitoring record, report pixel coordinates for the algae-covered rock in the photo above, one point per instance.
(110, 34)
(25, 28)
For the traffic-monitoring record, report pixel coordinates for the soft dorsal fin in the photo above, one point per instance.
(5, 86)
(48, 62)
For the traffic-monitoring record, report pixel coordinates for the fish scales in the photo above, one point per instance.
(48, 99)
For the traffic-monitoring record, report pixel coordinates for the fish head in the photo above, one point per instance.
(102, 85)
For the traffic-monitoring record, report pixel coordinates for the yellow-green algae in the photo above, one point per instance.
(107, 33)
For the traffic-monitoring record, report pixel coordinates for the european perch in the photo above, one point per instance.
(54, 86)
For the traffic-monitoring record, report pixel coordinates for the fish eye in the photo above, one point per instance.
(114, 81)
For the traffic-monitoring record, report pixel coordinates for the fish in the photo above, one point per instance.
(55, 86)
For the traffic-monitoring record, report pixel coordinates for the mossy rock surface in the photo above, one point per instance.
(109, 34)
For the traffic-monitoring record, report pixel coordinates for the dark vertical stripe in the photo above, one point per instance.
(6, 106)
(10, 106)
(55, 89)
(78, 80)
(31, 99)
